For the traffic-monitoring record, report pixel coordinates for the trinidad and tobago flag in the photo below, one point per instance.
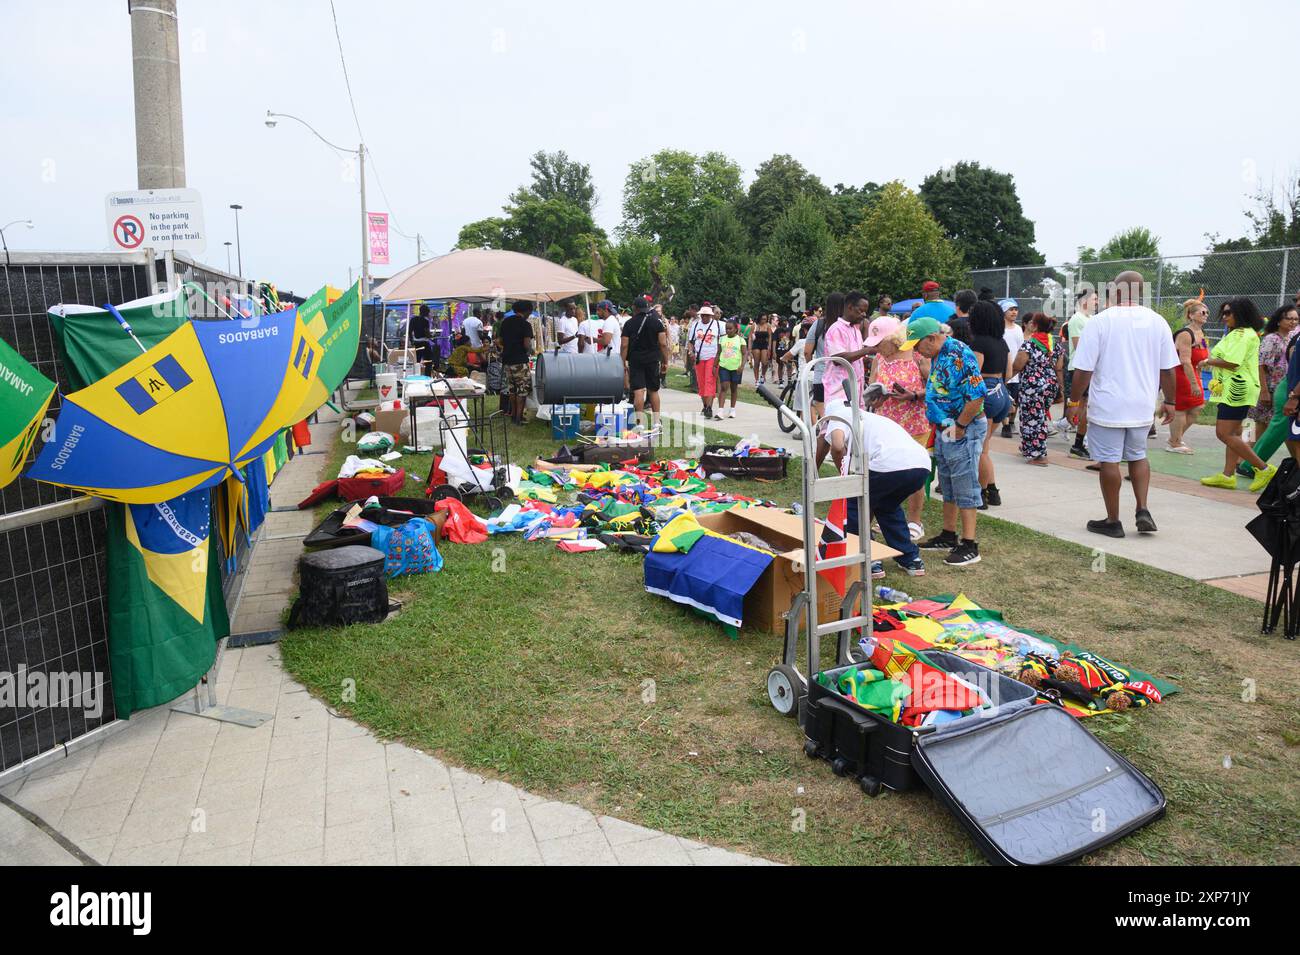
(834, 544)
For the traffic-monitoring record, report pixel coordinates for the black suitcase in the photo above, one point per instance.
(340, 586)
(1029, 783)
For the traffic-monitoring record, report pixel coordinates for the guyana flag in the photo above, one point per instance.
(24, 396)
(166, 611)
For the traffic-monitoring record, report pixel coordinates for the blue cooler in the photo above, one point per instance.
(611, 424)
(564, 421)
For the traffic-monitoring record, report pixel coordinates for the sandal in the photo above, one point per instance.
(1180, 449)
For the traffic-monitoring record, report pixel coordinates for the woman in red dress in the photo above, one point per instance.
(1189, 396)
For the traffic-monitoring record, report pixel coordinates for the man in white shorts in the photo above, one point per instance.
(1125, 355)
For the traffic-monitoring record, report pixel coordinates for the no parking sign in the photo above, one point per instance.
(160, 219)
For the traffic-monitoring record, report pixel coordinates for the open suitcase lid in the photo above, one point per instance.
(1035, 787)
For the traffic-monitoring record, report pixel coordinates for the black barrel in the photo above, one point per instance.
(595, 377)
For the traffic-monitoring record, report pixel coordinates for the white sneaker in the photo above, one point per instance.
(733, 412)
(915, 531)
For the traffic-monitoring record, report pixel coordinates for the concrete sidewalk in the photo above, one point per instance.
(1202, 530)
(307, 787)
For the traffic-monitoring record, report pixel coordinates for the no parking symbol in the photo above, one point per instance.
(128, 232)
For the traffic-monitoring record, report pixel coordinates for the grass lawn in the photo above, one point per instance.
(524, 662)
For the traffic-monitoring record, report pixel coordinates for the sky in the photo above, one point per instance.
(1108, 115)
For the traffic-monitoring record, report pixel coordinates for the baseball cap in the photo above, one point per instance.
(880, 329)
(919, 328)
(1008, 303)
(930, 286)
(645, 300)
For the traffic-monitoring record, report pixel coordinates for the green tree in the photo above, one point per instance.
(630, 265)
(666, 195)
(716, 261)
(1138, 242)
(790, 272)
(486, 233)
(554, 229)
(777, 184)
(556, 176)
(980, 211)
(846, 205)
(897, 246)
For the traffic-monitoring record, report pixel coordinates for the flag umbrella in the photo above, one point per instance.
(24, 395)
(337, 327)
(183, 415)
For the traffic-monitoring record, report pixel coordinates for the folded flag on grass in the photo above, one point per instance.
(712, 574)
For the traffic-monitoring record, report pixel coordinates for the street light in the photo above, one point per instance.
(360, 153)
(227, 245)
(239, 251)
(26, 222)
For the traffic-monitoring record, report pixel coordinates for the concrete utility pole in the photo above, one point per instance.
(156, 69)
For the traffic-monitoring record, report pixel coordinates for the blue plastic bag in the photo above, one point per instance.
(410, 548)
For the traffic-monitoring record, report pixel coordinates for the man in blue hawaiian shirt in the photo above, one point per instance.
(954, 404)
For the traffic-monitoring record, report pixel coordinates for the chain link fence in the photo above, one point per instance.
(1269, 277)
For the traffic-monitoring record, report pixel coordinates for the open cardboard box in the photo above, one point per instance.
(770, 598)
(390, 422)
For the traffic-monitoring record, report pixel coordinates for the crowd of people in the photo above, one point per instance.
(952, 375)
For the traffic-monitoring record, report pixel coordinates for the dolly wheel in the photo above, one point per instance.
(870, 786)
(785, 688)
(811, 749)
(444, 491)
(840, 766)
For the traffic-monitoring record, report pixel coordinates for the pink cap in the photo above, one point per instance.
(881, 328)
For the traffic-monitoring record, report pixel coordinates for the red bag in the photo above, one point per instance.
(463, 525)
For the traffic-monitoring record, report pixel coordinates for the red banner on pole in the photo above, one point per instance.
(378, 222)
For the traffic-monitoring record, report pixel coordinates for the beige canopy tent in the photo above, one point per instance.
(484, 275)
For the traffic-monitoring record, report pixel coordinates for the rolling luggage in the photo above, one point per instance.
(1029, 783)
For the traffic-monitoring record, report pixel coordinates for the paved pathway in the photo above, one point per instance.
(308, 786)
(1202, 530)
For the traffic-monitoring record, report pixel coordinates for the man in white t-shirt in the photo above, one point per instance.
(566, 329)
(1125, 355)
(1014, 336)
(610, 330)
(473, 327)
(899, 467)
(589, 334)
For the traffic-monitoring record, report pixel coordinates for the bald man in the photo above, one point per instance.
(1125, 356)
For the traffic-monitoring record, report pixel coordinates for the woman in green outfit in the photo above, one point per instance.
(1234, 389)
(1285, 320)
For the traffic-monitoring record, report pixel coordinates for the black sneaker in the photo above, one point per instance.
(1006, 430)
(708, 412)
(913, 568)
(1109, 528)
(1078, 451)
(966, 552)
(993, 496)
(946, 540)
(1146, 524)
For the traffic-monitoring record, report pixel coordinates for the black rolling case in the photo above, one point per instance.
(1029, 783)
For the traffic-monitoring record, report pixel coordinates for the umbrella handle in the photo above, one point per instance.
(126, 326)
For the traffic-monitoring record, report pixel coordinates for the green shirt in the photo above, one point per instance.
(729, 351)
(1074, 332)
(1238, 388)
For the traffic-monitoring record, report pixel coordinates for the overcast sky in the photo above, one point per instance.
(1107, 114)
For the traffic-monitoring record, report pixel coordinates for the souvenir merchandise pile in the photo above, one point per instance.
(623, 506)
(1078, 680)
